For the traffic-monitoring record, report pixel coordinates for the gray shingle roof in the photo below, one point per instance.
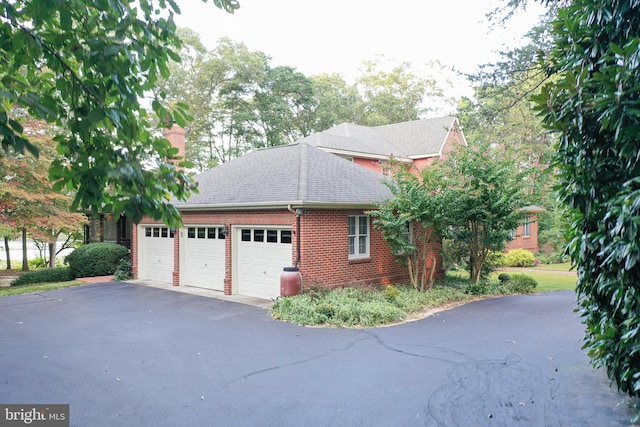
(296, 174)
(419, 138)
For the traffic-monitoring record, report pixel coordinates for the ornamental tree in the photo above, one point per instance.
(412, 224)
(594, 105)
(86, 66)
(483, 194)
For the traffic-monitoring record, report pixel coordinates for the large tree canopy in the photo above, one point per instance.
(86, 66)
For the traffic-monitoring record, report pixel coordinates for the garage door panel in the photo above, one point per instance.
(155, 255)
(261, 255)
(204, 260)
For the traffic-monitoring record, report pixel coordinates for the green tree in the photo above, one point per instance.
(412, 224)
(393, 96)
(472, 197)
(336, 102)
(86, 66)
(28, 201)
(284, 103)
(483, 193)
(594, 105)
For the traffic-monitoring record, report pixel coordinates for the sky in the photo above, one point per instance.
(336, 36)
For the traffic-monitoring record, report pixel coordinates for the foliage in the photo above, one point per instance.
(522, 284)
(86, 66)
(390, 293)
(28, 200)
(504, 278)
(483, 193)
(594, 105)
(96, 259)
(123, 270)
(58, 274)
(363, 307)
(412, 224)
(519, 258)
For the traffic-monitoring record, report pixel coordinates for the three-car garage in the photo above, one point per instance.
(257, 255)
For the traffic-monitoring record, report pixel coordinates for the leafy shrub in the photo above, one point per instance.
(504, 278)
(519, 258)
(390, 293)
(552, 258)
(491, 263)
(363, 306)
(123, 270)
(37, 263)
(44, 276)
(523, 284)
(486, 288)
(96, 259)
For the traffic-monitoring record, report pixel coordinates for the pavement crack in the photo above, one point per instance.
(245, 377)
(447, 355)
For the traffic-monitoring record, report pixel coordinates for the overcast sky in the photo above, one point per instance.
(335, 36)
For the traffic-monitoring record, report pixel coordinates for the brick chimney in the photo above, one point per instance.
(176, 136)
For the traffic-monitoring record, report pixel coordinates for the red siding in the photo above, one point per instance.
(522, 242)
(324, 247)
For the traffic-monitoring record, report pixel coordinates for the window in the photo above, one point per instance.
(358, 236)
(285, 236)
(526, 228)
(211, 233)
(201, 232)
(258, 235)
(147, 231)
(164, 231)
(156, 231)
(246, 235)
(221, 233)
(272, 236)
(191, 233)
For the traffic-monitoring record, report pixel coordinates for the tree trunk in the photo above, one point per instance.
(25, 261)
(8, 252)
(52, 254)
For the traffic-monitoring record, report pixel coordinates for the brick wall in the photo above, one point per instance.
(324, 247)
(530, 242)
(325, 258)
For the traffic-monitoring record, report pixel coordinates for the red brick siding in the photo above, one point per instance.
(324, 247)
(325, 258)
(521, 242)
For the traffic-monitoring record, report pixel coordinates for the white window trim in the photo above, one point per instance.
(526, 228)
(356, 238)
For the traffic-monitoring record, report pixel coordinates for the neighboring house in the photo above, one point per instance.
(106, 228)
(526, 236)
(296, 205)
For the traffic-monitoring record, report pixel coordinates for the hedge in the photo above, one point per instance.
(96, 259)
(61, 274)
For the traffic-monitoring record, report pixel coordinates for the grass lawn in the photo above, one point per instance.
(550, 277)
(547, 280)
(38, 287)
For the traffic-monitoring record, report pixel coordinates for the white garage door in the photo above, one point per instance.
(155, 253)
(203, 263)
(261, 254)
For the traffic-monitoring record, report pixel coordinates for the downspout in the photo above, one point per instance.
(298, 213)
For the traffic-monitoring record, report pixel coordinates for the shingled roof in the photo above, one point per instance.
(415, 139)
(298, 174)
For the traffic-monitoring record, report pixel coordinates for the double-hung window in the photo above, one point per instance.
(358, 236)
(526, 228)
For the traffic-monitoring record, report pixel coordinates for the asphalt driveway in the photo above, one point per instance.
(122, 354)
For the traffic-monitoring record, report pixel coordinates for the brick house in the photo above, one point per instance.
(303, 204)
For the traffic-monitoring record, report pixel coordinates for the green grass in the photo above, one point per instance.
(31, 288)
(565, 266)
